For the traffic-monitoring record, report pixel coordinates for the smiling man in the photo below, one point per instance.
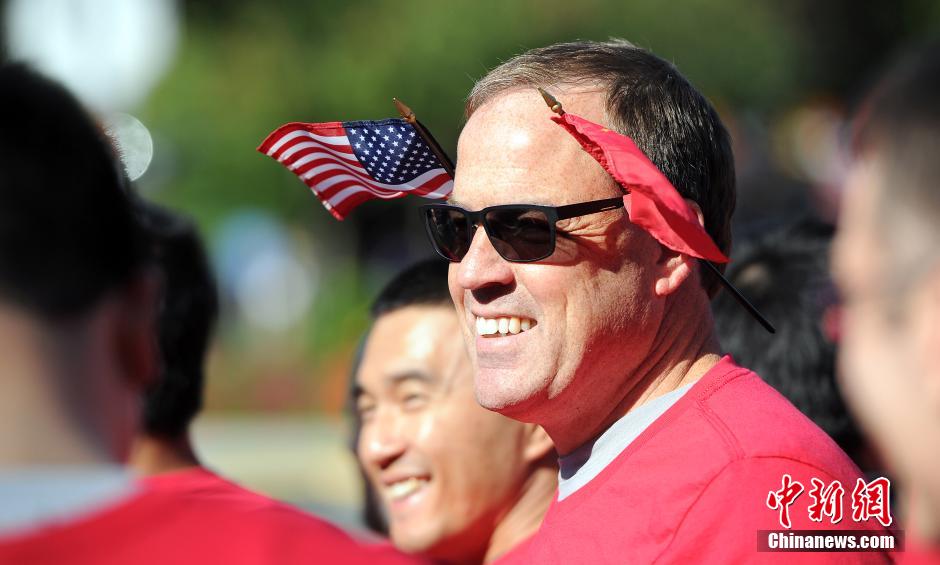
(669, 450)
(458, 483)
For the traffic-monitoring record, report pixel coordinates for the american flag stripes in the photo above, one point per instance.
(348, 163)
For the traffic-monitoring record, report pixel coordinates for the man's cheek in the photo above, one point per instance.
(428, 424)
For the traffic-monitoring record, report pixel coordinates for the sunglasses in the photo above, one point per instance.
(520, 233)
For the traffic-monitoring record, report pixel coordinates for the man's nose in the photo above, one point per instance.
(482, 266)
(383, 440)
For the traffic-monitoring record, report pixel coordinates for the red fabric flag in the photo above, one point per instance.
(653, 203)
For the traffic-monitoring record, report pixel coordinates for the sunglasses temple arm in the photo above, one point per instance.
(740, 298)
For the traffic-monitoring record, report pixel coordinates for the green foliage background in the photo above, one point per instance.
(244, 68)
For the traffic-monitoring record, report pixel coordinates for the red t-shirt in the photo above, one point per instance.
(693, 486)
(919, 552)
(193, 517)
(915, 555)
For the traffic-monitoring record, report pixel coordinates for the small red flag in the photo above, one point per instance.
(652, 202)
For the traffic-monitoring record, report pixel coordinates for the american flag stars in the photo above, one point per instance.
(399, 156)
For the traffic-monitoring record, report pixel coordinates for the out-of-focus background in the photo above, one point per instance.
(190, 88)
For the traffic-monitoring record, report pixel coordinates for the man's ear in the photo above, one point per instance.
(698, 211)
(135, 336)
(677, 267)
(538, 445)
(675, 270)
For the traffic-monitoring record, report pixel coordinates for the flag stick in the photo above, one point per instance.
(740, 298)
(409, 116)
(552, 102)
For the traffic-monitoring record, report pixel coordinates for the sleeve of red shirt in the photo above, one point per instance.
(721, 526)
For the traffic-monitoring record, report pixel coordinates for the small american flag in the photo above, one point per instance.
(348, 163)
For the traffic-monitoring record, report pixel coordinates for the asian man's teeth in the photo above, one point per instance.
(502, 326)
(404, 488)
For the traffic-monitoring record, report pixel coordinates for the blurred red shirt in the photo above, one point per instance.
(192, 516)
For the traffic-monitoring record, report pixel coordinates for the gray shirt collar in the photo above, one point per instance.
(34, 496)
(586, 462)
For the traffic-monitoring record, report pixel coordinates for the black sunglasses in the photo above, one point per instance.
(520, 233)
(524, 233)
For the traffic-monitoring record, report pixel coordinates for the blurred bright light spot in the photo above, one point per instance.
(274, 291)
(133, 141)
(260, 267)
(110, 53)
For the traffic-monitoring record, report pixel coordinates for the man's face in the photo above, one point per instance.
(590, 304)
(446, 469)
(886, 359)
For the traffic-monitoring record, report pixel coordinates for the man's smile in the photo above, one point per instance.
(503, 325)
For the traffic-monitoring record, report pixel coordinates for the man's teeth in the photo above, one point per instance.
(502, 326)
(401, 489)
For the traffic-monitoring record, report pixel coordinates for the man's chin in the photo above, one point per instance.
(448, 542)
(501, 391)
(432, 543)
(408, 545)
(415, 538)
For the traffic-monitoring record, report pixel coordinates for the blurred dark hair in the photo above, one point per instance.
(422, 284)
(899, 123)
(786, 276)
(649, 100)
(67, 229)
(185, 320)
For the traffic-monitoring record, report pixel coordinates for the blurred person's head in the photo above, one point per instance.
(75, 305)
(457, 482)
(186, 314)
(785, 274)
(611, 307)
(887, 265)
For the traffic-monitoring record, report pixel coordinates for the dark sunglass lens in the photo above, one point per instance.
(520, 234)
(449, 229)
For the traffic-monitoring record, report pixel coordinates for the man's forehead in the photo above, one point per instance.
(857, 243)
(511, 152)
(519, 121)
(859, 197)
(412, 343)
